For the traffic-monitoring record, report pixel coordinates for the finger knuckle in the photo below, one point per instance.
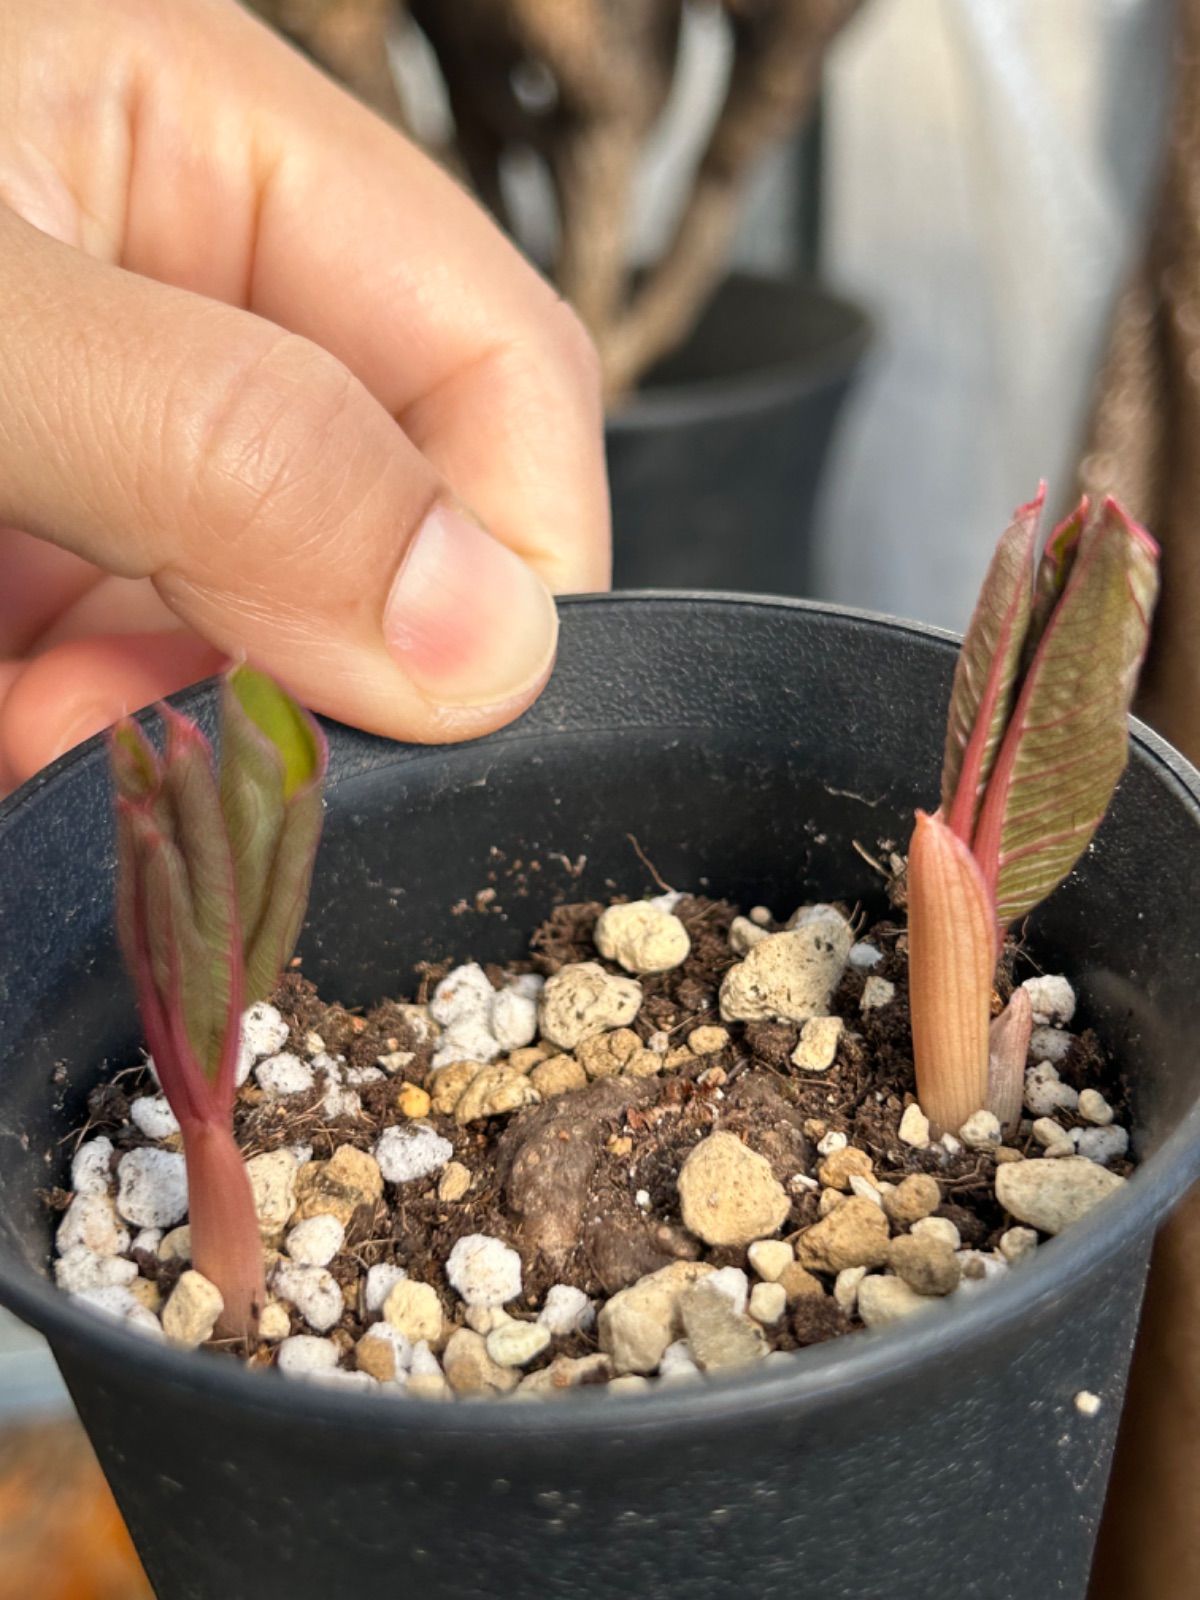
(278, 440)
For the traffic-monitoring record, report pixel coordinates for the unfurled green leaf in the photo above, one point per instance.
(273, 759)
(986, 677)
(1068, 736)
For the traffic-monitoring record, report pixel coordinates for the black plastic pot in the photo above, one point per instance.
(746, 745)
(715, 464)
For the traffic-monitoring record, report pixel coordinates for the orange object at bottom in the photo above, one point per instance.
(61, 1536)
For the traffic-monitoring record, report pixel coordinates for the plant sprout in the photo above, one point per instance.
(213, 874)
(1036, 740)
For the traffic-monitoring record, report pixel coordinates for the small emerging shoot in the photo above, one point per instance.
(1036, 740)
(213, 877)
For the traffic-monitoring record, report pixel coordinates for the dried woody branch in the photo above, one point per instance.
(580, 83)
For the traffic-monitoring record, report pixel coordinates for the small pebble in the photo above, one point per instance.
(677, 1363)
(980, 1131)
(1087, 1403)
(514, 1021)
(414, 1310)
(706, 1041)
(845, 1288)
(493, 1092)
(484, 1271)
(877, 993)
(122, 1304)
(913, 1198)
(411, 1151)
(383, 1352)
(191, 1311)
(1104, 1144)
(1050, 1044)
(154, 1116)
(770, 1258)
(302, 1354)
(642, 938)
(836, 1169)
(1017, 1243)
(471, 1371)
(463, 992)
(1093, 1107)
(882, 1300)
(1052, 1135)
(744, 935)
(313, 1291)
(91, 1220)
(728, 1194)
(582, 1001)
(176, 1245)
(733, 1284)
(927, 1265)
(1046, 1093)
(284, 1074)
(939, 1228)
(865, 1189)
(152, 1188)
(315, 1241)
(788, 977)
(566, 1310)
(468, 1039)
(864, 955)
(91, 1167)
(1052, 998)
(768, 1301)
(274, 1322)
(831, 1142)
(454, 1182)
(914, 1127)
(627, 1383)
(381, 1279)
(516, 1344)
(413, 1102)
(1050, 1196)
(855, 1235)
(263, 1029)
(79, 1269)
(818, 1046)
(761, 916)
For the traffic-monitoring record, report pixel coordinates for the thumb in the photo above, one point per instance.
(277, 507)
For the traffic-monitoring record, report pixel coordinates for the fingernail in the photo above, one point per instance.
(468, 621)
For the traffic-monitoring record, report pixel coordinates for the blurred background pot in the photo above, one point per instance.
(747, 745)
(715, 464)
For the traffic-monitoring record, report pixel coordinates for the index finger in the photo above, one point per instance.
(282, 194)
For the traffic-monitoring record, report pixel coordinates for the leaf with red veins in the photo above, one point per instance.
(988, 670)
(1068, 738)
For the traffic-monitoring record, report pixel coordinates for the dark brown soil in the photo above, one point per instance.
(584, 1185)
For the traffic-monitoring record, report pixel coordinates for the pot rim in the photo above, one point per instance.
(817, 1377)
(789, 377)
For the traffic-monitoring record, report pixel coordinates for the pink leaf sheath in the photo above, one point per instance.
(951, 958)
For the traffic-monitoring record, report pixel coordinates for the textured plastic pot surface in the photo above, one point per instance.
(715, 465)
(746, 744)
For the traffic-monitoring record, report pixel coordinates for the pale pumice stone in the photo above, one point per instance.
(484, 1271)
(284, 1075)
(302, 1354)
(313, 1291)
(152, 1188)
(91, 1220)
(465, 991)
(566, 1310)
(582, 1001)
(1052, 998)
(192, 1310)
(380, 1281)
(79, 1269)
(91, 1167)
(153, 1116)
(788, 977)
(514, 1019)
(411, 1151)
(263, 1029)
(316, 1240)
(120, 1303)
(642, 938)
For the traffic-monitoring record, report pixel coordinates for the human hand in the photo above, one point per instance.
(266, 376)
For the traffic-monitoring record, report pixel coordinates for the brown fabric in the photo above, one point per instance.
(1149, 1545)
(1145, 448)
(1144, 444)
